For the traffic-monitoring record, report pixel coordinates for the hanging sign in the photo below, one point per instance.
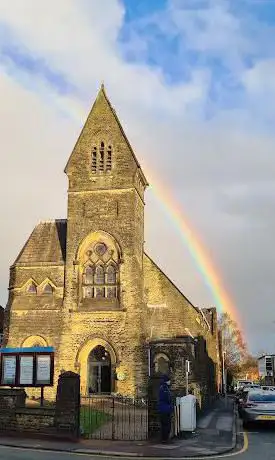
(26, 370)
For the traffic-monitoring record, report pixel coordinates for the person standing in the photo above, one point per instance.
(165, 407)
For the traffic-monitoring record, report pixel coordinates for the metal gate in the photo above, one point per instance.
(114, 418)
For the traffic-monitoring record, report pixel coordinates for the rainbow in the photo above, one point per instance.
(198, 252)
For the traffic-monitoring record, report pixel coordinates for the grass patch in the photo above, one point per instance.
(91, 419)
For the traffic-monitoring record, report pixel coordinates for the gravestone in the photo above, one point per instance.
(67, 414)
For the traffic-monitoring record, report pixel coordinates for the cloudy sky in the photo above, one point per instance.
(193, 84)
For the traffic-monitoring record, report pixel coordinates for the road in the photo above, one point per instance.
(261, 443)
(260, 446)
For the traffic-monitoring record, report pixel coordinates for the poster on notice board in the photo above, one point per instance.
(43, 370)
(26, 370)
(8, 370)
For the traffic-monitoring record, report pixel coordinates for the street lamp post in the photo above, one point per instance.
(224, 373)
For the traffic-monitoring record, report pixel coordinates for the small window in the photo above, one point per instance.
(89, 275)
(99, 275)
(111, 292)
(111, 275)
(162, 363)
(88, 292)
(109, 159)
(101, 157)
(48, 289)
(32, 289)
(94, 160)
(99, 292)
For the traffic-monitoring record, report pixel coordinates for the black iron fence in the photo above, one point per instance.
(114, 417)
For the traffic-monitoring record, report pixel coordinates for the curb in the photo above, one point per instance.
(105, 453)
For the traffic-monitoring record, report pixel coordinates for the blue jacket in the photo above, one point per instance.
(165, 404)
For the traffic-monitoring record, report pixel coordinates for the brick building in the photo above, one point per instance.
(85, 286)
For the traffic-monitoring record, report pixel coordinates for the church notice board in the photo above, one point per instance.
(27, 367)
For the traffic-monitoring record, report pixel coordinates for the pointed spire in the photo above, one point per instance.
(102, 114)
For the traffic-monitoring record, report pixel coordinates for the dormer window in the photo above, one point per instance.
(101, 158)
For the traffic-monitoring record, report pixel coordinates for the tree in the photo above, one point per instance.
(249, 368)
(233, 345)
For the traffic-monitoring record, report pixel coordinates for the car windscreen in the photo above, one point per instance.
(259, 397)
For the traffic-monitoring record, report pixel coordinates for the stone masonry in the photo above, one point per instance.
(63, 291)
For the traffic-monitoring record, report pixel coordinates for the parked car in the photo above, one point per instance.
(257, 406)
(267, 388)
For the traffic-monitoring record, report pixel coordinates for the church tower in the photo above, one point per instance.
(103, 290)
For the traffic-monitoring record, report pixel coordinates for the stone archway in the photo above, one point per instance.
(34, 340)
(96, 363)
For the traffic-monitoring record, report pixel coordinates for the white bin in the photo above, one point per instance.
(188, 420)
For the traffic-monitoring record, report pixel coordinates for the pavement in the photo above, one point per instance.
(215, 435)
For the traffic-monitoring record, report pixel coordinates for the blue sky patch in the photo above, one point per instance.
(20, 61)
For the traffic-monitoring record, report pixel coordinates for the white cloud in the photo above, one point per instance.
(198, 160)
(259, 80)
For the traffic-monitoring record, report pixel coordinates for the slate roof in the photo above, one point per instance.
(47, 243)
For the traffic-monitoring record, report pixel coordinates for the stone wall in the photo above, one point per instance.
(171, 314)
(202, 377)
(34, 419)
(62, 420)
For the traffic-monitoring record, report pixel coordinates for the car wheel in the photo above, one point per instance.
(245, 424)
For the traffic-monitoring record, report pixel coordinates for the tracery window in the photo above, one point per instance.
(100, 275)
(101, 158)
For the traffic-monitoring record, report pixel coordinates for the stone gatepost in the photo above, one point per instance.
(67, 414)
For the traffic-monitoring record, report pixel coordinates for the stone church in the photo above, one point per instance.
(85, 286)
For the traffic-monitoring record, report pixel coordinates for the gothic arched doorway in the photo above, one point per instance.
(99, 371)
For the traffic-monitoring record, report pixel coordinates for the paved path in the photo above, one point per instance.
(214, 435)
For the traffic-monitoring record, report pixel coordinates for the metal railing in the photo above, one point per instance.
(112, 417)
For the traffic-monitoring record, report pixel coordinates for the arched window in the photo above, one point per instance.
(110, 275)
(101, 160)
(94, 160)
(100, 278)
(48, 289)
(32, 289)
(109, 159)
(101, 157)
(89, 275)
(99, 275)
(162, 363)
